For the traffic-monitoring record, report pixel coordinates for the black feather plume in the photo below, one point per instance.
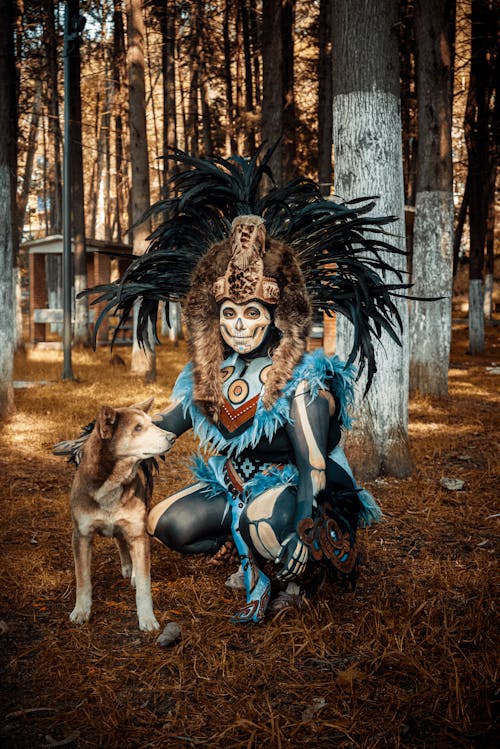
(338, 246)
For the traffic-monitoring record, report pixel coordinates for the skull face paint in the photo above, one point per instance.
(243, 326)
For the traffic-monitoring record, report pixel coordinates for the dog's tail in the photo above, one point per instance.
(73, 448)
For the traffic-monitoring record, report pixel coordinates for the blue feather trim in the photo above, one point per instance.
(370, 512)
(320, 372)
(212, 474)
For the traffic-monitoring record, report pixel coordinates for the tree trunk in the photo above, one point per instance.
(193, 110)
(206, 117)
(93, 188)
(208, 146)
(247, 51)
(167, 25)
(325, 111)
(368, 161)
(143, 362)
(256, 49)
(8, 221)
(490, 246)
(476, 127)
(408, 97)
(81, 334)
(30, 157)
(432, 266)
(289, 151)
(55, 190)
(272, 83)
(99, 194)
(230, 112)
(459, 226)
(119, 104)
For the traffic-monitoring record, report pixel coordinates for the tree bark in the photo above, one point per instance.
(289, 150)
(230, 110)
(143, 362)
(8, 221)
(194, 86)
(99, 195)
(249, 101)
(476, 128)
(490, 245)
(368, 161)
(459, 226)
(256, 49)
(325, 111)
(167, 25)
(408, 97)
(81, 333)
(272, 82)
(432, 265)
(119, 104)
(55, 190)
(30, 157)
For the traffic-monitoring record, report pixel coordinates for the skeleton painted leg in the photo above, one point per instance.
(268, 526)
(190, 521)
(257, 585)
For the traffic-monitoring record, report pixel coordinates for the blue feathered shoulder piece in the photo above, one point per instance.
(321, 372)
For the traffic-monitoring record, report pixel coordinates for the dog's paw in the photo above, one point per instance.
(127, 571)
(148, 623)
(80, 615)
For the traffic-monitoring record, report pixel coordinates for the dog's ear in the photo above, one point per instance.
(144, 406)
(105, 422)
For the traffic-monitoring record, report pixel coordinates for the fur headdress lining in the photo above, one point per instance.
(292, 317)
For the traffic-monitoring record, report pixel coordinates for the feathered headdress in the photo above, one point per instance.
(313, 254)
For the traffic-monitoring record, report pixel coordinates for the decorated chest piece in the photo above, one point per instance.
(242, 385)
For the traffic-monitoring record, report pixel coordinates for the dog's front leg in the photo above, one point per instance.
(82, 552)
(141, 560)
(125, 559)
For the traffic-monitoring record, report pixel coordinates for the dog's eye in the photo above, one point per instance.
(138, 428)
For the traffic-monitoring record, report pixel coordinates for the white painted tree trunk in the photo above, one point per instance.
(488, 296)
(7, 328)
(432, 275)
(432, 264)
(18, 312)
(368, 161)
(476, 317)
(81, 330)
(8, 172)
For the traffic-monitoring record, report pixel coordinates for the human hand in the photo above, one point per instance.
(293, 555)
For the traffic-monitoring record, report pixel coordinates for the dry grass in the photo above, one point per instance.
(409, 660)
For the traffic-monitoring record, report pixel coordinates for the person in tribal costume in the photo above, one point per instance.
(249, 268)
(273, 462)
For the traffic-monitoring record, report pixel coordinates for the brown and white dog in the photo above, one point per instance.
(110, 496)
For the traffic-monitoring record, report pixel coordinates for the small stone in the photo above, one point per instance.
(317, 704)
(453, 485)
(4, 627)
(170, 634)
(236, 581)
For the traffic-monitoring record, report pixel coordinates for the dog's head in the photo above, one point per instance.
(130, 433)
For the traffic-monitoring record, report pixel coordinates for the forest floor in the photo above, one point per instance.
(410, 659)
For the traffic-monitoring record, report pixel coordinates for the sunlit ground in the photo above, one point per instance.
(408, 660)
